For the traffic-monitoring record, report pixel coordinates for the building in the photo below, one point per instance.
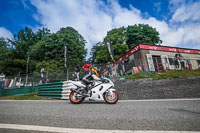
(157, 58)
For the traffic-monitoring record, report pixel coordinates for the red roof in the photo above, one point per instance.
(158, 48)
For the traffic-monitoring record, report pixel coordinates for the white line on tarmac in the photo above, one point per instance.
(149, 100)
(78, 130)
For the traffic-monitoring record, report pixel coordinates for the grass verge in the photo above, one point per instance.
(32, 96)
(166, 74)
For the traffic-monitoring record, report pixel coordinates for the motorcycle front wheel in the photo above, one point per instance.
(75, 100)
(111, 99)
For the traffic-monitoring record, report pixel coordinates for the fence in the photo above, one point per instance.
(156, 64)
(34, 79)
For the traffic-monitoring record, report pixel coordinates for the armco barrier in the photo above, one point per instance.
(18, 91)
(57, 90)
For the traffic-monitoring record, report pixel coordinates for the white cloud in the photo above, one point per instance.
(93, 19)
(184, 24)
(87, 17)
(5, 33)
(174, 4)
(158, 6)
(187, 12)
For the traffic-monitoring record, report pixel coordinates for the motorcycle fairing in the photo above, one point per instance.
(97, 92)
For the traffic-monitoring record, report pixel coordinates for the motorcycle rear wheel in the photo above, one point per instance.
(111, 99)
(75, 100)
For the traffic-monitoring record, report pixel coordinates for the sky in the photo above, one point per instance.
(177, 21)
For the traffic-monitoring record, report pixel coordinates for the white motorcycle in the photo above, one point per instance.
(100, 89)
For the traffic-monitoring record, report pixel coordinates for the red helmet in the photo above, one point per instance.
(86, 67)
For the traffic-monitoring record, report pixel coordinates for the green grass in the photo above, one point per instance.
(166, 74)
(32, 96)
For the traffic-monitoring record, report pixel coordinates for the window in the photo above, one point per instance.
(171, 60)
(198, 62)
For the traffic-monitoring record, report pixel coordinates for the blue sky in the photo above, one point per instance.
(16, 14)
(178, 21)
(154, 8)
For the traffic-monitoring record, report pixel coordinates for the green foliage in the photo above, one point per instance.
(50, 65)
(122, 40)
(6, 56)
(142, 33)
(99, 54)
(3, 48)
(117, 37)
(3, 52)
(43, 49)
(50, 50)
(22, 42)
(75, 44)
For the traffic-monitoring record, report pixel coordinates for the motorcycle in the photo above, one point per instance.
(100, 89)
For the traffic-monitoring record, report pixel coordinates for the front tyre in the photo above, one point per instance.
(75, 100)
(111, 98)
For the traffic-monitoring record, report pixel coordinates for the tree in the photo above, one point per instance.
(99, 54)
(142, 33)
(20, 54)
(41, 33)
(75, 44)
(117, 38)
(49, 51)
(3, 48)
(3, 53)
(124, 39)
(42, 48)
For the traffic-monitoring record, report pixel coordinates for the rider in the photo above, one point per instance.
(87, 79)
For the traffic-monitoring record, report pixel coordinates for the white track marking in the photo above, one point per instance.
(160, 100)
(78, 130)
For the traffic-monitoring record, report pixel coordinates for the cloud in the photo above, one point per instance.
(93, 19)
(187, 12)
(184, 25)
(24, 4)
(174, 4)
(158, 6)
(5, 33)
(89, 18)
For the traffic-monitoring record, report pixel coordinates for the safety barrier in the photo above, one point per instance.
(18, 91)
(57, 90)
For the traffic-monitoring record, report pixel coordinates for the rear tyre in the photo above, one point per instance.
(75, 100)
(111, 99)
